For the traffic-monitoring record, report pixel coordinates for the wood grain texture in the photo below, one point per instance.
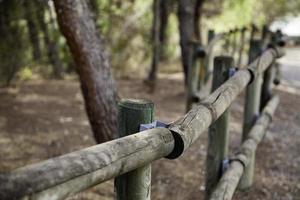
(241, 47)
(188, 128)
(251, 109)
(76, 171)
(267, 85)
(193, 78)
(218, 134)
(136, 184)
(230, 179)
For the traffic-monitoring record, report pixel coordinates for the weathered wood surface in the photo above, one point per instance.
(227, 41)
(242, 47)
(218, 134)
(71, 173)
(136, 184)
(203, 73)
(234, 42)
(193, 78)
(266, 91)
(188, 128)
(210, 48)
(210, 36)
(253, 90)
(82, 169)
(251, 110)
(257, 67)
(261, 63)
(230, 179)
(202, 65)
(209, 58)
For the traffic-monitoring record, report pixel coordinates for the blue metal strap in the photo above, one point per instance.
(155, 124)
(231, 71)
(225, 165)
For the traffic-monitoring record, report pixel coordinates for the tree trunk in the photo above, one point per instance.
(98, 88)
(186, 29)
(164, 16)
(32, 29)
(50, 42)
(197, 20)
(12, 45)
(155, 42)
(160, 20)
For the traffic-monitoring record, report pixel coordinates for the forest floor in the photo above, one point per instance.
(44, 119)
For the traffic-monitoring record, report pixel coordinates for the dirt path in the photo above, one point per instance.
(43, 119)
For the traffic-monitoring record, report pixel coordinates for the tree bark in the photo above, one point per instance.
(97, 85)
(186, 12)
(66, 175)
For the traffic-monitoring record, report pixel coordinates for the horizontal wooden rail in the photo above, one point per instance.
(206, 69)
(230, 179)
(74, 172)
(213, 42)
(85, 168)
(201, 69)
(219, 37)
(188, 128)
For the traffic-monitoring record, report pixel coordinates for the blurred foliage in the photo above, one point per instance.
(25, 73)
(244, 12)
(13, 43)
(235, 13)
(275, 10)
(125, 27)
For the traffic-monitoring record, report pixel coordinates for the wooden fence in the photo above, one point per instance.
(235, 43)
(128, 159)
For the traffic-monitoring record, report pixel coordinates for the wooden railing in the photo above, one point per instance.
(234, 43)
(128, 158)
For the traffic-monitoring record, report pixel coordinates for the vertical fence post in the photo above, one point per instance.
(265, 35)
(253, 32)
(227, 41)
(266, 91)
(270, 75)
(134, 185)
(278, 40)
(218, 132)
(251, 112)
(193, 78)
(234, 40)
(203, 69)
(211, 35)
(241, 50)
